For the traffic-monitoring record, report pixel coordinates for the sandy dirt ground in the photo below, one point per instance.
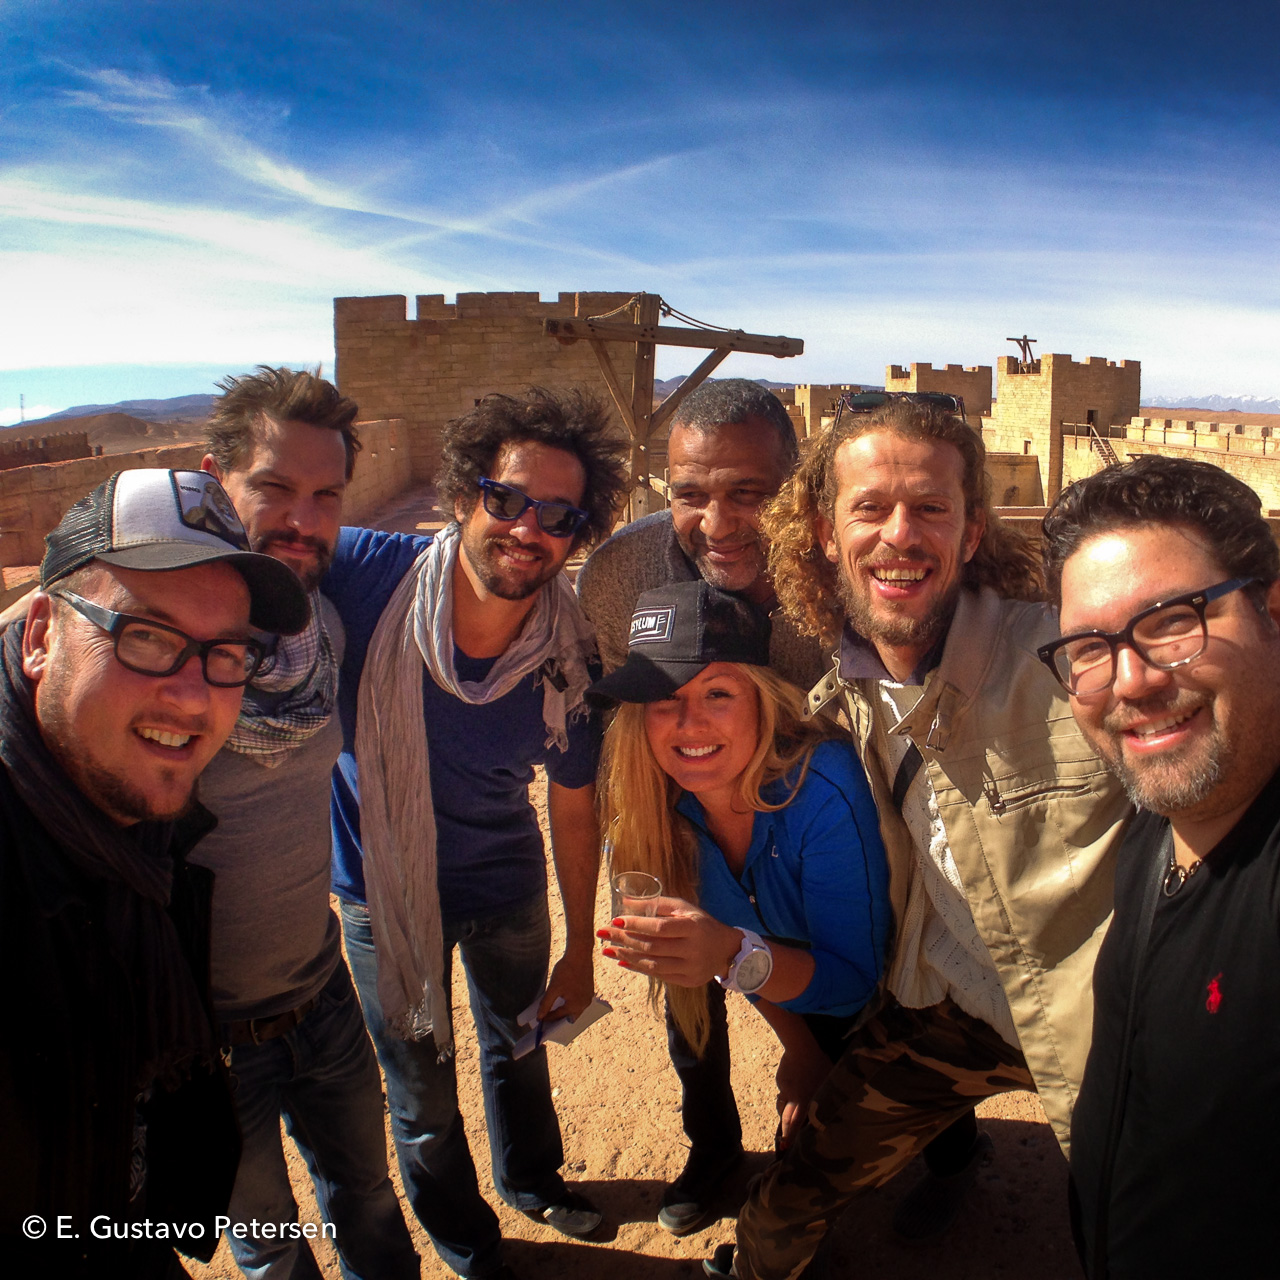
(618, 1101)
(619, 1106)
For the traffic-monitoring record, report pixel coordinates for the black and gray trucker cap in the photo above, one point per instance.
(154, 520)
(676, 631)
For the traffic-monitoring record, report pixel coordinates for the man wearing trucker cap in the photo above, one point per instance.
(117, 688)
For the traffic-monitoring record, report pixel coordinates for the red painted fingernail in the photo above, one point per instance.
(602, 933)
(616, 924)
(624, 964)
(608, 951)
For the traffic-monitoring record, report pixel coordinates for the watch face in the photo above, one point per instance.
(754, 971)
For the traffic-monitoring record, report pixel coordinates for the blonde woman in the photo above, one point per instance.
(760, 826)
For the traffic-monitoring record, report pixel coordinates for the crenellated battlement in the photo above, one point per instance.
(972, 384)
(1037, 404)
(1012, 367)
(61, 447)
(435, 366)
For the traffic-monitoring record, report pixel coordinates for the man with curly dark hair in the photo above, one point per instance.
(999, 821)
(466, 662)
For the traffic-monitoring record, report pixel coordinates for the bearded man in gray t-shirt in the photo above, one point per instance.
(283, 446)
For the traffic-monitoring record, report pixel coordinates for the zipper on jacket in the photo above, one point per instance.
(994, 799)
(1000, 804)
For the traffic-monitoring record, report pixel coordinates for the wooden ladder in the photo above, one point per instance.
(1103, 446)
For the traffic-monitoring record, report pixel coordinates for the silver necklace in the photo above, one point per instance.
(1177, 875)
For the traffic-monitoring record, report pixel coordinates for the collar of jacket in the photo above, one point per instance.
(966, 659)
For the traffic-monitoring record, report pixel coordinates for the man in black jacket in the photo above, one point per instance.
(1170, 587)
(121, 683)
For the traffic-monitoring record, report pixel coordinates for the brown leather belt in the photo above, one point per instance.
(256, 1030)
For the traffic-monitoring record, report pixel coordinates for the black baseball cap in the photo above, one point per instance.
(156, 520)
(676, 631)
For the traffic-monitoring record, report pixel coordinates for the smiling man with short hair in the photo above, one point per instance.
(116, 690)
(1169, 580)
(730, 447)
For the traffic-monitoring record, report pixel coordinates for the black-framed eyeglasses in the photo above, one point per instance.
(154, 649)
(1165, 636)
(502, 502)
(870, 401)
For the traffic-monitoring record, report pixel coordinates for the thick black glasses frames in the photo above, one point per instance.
(1165, 636)
(502, 502)
(154, 649)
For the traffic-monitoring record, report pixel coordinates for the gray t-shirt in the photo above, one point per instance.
(275, 939)
(646, 554)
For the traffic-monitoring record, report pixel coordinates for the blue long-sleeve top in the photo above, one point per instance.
(815, 877)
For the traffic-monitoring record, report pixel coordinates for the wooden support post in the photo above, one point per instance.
(645, 314)
(615, 387)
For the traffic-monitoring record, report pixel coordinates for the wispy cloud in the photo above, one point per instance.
(14, 414)
(195, 208)
(214, 131)
(192, 113)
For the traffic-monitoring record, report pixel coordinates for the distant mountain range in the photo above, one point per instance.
(177, 409)
(1218, 404)
(663, 387)
(124, 427)
(181, 410)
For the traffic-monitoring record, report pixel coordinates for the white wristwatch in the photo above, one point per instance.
(751, 967)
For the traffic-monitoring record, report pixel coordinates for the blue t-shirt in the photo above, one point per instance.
(489, 852)
(815, 877)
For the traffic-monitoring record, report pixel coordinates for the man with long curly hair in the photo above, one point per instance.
(466, 663)
(999, 821)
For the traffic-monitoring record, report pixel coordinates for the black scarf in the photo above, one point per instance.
(131, 871)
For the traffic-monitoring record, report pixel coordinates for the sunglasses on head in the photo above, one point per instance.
(502, 502)
(870, 401)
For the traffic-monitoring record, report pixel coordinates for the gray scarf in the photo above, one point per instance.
(397, 817)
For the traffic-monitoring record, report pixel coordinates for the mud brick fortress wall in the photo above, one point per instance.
(434, 367)
(1034, 403)
(55, 448)
(813, 405)
(34, 498)
(1038, 430)
(973, 385)
(1247, 450)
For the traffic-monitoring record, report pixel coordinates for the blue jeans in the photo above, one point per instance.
(505, 958)
(323, 1079)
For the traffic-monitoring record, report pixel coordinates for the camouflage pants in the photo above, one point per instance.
(906, 1076)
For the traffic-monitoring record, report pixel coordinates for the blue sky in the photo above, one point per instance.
(185, 187)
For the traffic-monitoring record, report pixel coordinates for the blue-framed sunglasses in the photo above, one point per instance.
(502, 502)
(153, 649)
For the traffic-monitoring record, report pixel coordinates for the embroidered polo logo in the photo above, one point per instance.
(652, 626)
(1214, 1000)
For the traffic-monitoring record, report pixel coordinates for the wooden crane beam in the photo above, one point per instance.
(646, 334)
(670, 336)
